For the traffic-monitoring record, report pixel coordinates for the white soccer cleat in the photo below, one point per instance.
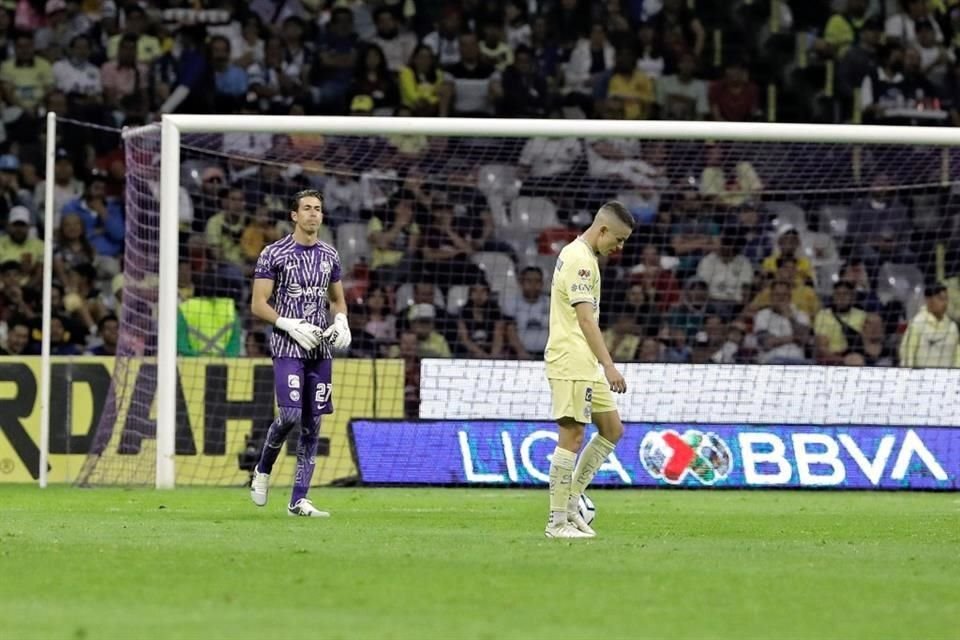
(574, 519)
(259, 487)
(305, 508)
(565, 530)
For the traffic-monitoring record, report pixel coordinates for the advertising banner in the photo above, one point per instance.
(220, 401)
(468, 452)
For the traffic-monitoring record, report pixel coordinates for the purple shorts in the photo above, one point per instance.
(304, 384)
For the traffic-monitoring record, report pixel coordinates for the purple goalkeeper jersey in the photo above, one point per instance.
(301, 277)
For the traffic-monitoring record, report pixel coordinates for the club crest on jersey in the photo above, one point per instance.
(584, 273)
(310, 309)
(295, 395)
(325, 266)
(294, 290)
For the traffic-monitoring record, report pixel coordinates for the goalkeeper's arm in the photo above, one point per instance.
(305, 334)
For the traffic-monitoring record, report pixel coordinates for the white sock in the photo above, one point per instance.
(592, 458)
(561, 474)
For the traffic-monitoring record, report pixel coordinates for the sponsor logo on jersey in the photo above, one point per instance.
(294, 290)
(293, 381)
(671, 457)
(584, 273)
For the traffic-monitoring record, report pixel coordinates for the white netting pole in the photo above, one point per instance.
(51, 152)
(167, 304)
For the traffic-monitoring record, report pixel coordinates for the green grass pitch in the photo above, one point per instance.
(448, 563)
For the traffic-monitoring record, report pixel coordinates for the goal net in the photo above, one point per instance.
(448, 238)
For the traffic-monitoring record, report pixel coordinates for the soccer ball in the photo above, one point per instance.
(587, 509)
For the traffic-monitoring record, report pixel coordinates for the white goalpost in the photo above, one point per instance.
(175, 128)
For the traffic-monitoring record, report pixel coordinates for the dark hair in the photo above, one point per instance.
(86, 271)
(784, 260)
(105, 319)
(431, 75)
(305, 193)
(843, 284)
(134, 8)
(780, 283)
(21, 321)
(340, 11)
(522, 49)
(532, 269)
(9, 265)
(360, 66)
(382, 9)
(933, 289)
(132, 38)
(620, 212)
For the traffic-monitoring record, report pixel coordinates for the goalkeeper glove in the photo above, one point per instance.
(338, 333)
(304, 334)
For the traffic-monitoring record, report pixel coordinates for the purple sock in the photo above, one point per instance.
(276, 435)
(306, 459)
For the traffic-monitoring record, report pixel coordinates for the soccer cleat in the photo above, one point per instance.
(574, 519)
(304, 507)
(565, 530)
(258, 488)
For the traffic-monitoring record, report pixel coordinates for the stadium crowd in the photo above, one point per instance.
(448, 245)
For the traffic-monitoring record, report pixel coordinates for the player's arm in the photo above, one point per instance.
(302, 332)
(338, 333)
(591, 331)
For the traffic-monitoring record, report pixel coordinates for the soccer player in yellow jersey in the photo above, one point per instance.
(580, 370)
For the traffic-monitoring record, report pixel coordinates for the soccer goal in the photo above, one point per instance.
(432, 216)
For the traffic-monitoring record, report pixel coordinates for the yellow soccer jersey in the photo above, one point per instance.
(576, 279)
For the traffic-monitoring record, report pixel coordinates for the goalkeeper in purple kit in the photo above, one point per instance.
(296, 283)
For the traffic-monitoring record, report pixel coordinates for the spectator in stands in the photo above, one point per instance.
(682, 96)
(728, 275)
(884, 88)
(52, 38)
(873, 344)
(208, 323)
(546, 164)
(650, 53)
(693, 234)
(275, 81)
(879, 226)
(72, 248)
(802, 296)
(146, 47)
(332, 68)
(494, 49)
(61, 341)
(395, 237)
(651, 350)
(445, 252)
(397, 44)
(726, 180)
(788, 245)
(230, 81)
(180, 83)
(730, 352)
(85, 303)
(859, 58)
(735, 96)
(932, 338)
(708, 342)
(525, 91)
(694, 306)
(430, 344)
(589, 60)
(66, 187)
(408, 350)
(546, 54)
(76, 76)
(25, 78)
(936, 60)
(108, 329)
(255, 344)
(481, 330)
(247, 41)
(363, 344)
(854, 271)
(620, 340)
(658, 284)
(341, 199)
(751, 224)
(474, 85)
(642, 308)
(427, 293)
(18, 337)
(619, 158)
(902, 27)
(837, 328)
(445, 41)
(104, 223)
(782, 331)
(625, 81)
(422, 83)
(676, 14)
(225, 230)
(124, 79)
(262, 229)
(371, 77)
(845, 28)
(380, 323)
(530, 311)
(18, 246)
